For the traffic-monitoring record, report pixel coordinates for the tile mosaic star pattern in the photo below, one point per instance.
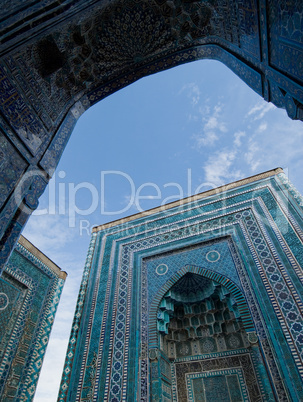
(248, 239)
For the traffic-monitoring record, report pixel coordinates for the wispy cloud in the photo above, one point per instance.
(263, 138)
(218, 168)
(274, 140)
(252, 156)
(208, 138)
(237, 138)
(262, 127)
(192, 91)
(212, 126)
(49, 232)
(260, 110)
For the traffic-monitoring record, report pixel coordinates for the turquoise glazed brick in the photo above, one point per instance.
(30, 289)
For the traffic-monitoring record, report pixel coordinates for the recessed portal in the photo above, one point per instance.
(204, 351)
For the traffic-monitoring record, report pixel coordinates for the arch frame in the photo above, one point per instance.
(260, 50)
(219, 278)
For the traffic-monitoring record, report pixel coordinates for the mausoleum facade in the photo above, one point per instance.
(197, 300)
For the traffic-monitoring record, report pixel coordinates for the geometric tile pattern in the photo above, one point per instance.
(33, 290)
(196, 256)
(76, 322)
(247, 238)
(218, 385)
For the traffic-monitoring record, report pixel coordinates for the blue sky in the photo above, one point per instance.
(169, 135)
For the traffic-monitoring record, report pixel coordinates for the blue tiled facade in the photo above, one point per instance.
(30, 289)
(206, 295)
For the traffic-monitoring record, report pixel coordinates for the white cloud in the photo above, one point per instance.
(205, 108)
(213, 121)
(252, 156)
(192, 117)
(237, 138)
(193, 92)
(260, 110)
(274, 140)
(208, 139)
(49, 381)
(262, 127)
(49, 232)
(218, 168)
(212, 127)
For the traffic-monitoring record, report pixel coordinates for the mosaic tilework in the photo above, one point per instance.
(118, 354)
(198, 256)
(218, 385)
(169, 27)
(282, 299)
(11, 168)
(286, 34)
(15, 293)
(33, 291)
(214, 378)
(291, 189)
(54, 151)
(75, 326)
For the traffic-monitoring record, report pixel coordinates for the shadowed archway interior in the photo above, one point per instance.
(198, 322)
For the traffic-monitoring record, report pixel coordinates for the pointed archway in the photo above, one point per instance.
(58, 60)
(203, 344)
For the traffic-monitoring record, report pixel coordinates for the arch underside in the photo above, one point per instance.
(59, 59)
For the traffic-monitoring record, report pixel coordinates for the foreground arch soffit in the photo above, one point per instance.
(59, 58)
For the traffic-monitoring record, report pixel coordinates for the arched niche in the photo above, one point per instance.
(202, 341)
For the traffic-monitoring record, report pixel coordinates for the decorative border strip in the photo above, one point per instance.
(206, 356)
(89, 325)
(276, 304)
(70, 355)
(41, 342)
(296, 196)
